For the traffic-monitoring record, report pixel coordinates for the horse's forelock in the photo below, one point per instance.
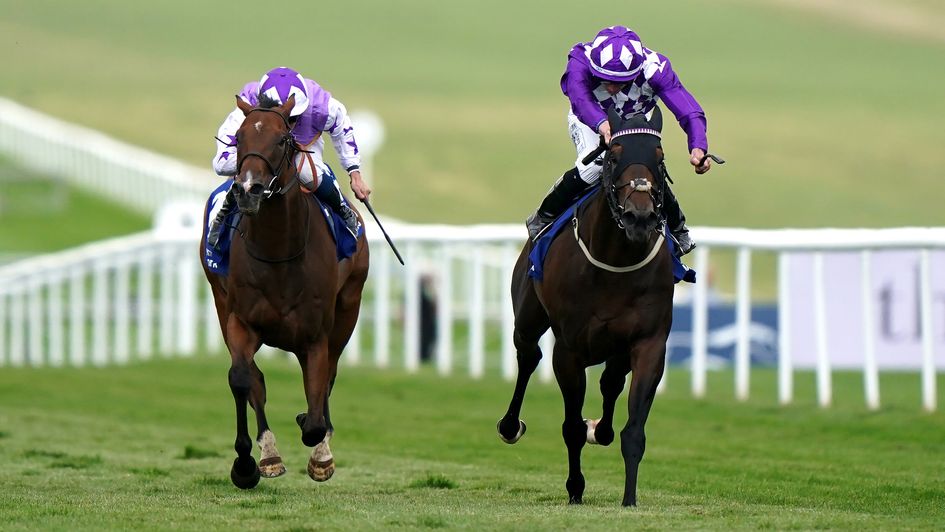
(267, 102)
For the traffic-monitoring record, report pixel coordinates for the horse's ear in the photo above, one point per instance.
(286, 108)
(243, 105)
(614, 118)
(656, 121)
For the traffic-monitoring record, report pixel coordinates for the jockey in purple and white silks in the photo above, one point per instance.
(314, 113)
(616, 70)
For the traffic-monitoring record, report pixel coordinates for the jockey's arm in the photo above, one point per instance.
(686, 109)
(342, 137)
(224, 162)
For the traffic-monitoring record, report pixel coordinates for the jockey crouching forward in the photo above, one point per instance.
(616, 70)
(314, 113)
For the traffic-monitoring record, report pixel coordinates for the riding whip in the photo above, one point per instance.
(389, 241)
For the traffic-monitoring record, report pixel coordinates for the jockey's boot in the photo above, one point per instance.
(329, 193)
(217, 226)
(676, 221)
(566, 190)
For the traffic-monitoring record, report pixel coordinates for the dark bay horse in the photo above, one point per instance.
(607, 294)
(286, 289)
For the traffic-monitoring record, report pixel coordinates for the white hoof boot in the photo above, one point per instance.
(518, 435)
(321, 465)
(270, 463)
(591, 427)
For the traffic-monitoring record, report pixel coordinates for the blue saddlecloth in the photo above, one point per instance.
(219, 261)
(681, 272)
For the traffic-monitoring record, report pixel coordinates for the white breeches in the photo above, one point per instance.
(585, 141)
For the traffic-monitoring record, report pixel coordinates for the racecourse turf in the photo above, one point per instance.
(148, 446)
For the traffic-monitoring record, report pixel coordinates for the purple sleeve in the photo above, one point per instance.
(250, 93)
(683, 105)
(578, 85)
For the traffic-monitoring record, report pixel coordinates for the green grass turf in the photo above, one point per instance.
(41, 214)
(149, 446)
(824, 121)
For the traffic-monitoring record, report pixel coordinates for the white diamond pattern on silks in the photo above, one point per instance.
(626, 57)
(606, 54)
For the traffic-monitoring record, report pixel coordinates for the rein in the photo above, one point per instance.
(616, 269)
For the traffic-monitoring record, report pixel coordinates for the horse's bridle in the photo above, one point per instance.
(613, 168)
(288, 151)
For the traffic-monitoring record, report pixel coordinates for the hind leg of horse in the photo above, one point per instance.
(601, 431)
(243, 344)
(270, 462)
(531, 322)
(647, 372)
(569, 373)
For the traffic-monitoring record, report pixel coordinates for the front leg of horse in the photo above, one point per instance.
(244, 473)
(242, 343)
(571, 379)
(646, 376)
(317, 373)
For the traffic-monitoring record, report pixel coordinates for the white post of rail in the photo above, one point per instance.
(870, 370)
(382, 311)
(4, 350)
(444, 312)
(77, 316)
(743, 324)
(186, 284)
(928, 345)
(166, 316)
(785, 363)
(100, 347)
(54, 320)
(477, 315)
(824, 391)
(37, 341)
(121, 302)
(17, 327)
(145, 300)
(700, 323)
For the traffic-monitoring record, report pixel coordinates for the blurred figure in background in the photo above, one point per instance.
(315, 112)
(616, 71)
(428, 326)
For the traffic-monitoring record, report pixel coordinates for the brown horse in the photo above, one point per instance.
(286, 289)
(607, 294)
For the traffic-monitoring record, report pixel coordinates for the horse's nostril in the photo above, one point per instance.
(256, 189)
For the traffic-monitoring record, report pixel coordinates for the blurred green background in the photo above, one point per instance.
(829, 113)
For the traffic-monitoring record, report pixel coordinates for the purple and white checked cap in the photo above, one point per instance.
(616, 54)
(280, 83)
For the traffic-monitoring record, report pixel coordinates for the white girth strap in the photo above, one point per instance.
(624, 269)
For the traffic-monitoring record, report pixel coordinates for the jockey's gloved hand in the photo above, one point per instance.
(696, 159)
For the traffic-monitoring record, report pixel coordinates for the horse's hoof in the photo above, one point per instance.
(271, 467)
(244, 473)
(598, 434)
(518, 435)
(575, 500)
(321, 471)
